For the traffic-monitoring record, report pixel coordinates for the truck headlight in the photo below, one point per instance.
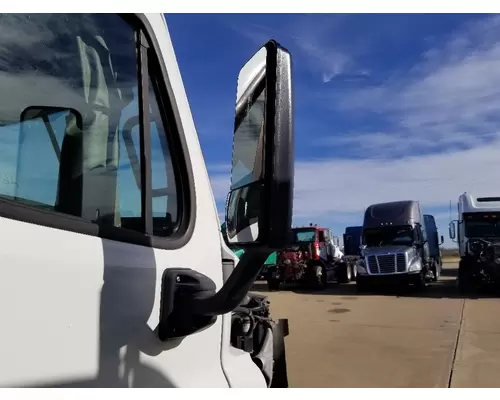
(360, 267)
(415, 266)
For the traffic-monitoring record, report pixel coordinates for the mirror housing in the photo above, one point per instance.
(260, 202)
(452, 230)
(259, 207)
(442, 240)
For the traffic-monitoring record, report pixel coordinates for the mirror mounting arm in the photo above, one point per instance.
(236, 287)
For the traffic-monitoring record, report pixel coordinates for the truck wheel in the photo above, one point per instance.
(362, 285)
(345, 273)
(419, 282)
(320, 281)
(273, 284)
(436, 271)
(464, 278)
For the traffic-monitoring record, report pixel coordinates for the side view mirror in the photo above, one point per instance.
(442, 240)
(260, 201)
(451, 230)
(259, 205)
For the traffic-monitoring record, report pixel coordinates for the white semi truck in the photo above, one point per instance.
(113, 270)
(477, 232)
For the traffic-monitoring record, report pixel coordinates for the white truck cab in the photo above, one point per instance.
(111, 255)
(479, 214)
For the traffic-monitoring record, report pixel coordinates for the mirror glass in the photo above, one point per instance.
(451, 229)
(242, 211)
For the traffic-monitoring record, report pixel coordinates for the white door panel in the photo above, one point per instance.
(50, 284)
(85, 310)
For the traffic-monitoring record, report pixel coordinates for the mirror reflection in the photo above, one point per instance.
(242, 214)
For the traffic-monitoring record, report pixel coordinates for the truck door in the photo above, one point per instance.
(94, 210)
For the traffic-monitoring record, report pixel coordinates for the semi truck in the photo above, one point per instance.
(395, 246)
(95, 121)
(312, 259)
(477, 232)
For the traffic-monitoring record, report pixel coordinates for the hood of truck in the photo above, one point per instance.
(380, 251)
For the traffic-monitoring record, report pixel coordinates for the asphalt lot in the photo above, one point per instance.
(339, 338)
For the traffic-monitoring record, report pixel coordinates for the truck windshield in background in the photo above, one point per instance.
(388, 235)
(482, 224)
(304, 235)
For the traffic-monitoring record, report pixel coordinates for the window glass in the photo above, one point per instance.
(165, 206)
(69, 121)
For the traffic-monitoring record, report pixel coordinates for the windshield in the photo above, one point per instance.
(389, 235)
(482, 225)
(305, 235)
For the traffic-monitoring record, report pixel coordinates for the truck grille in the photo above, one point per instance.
(387, 263)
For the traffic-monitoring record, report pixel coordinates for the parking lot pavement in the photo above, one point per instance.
(339, 338)
(477, 362)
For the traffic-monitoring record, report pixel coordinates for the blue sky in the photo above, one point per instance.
(387, 107)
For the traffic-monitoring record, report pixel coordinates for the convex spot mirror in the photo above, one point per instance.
(260, 201)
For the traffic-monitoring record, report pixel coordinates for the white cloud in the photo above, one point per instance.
(449, 99)
(352, 185)
(310, 37)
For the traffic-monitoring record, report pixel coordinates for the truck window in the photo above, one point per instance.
(307, 235)
(390, 235)
(482, 225)
(86, 62)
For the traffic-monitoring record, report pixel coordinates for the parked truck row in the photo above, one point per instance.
(396, 243)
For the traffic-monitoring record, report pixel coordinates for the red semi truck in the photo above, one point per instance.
(312, 259)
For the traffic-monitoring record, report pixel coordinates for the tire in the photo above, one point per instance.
(437, 272)
(464, 278)
(354, 272)
(273, 284)
(362, 286)
(419, 282)
(319, 282)
(345, 274)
